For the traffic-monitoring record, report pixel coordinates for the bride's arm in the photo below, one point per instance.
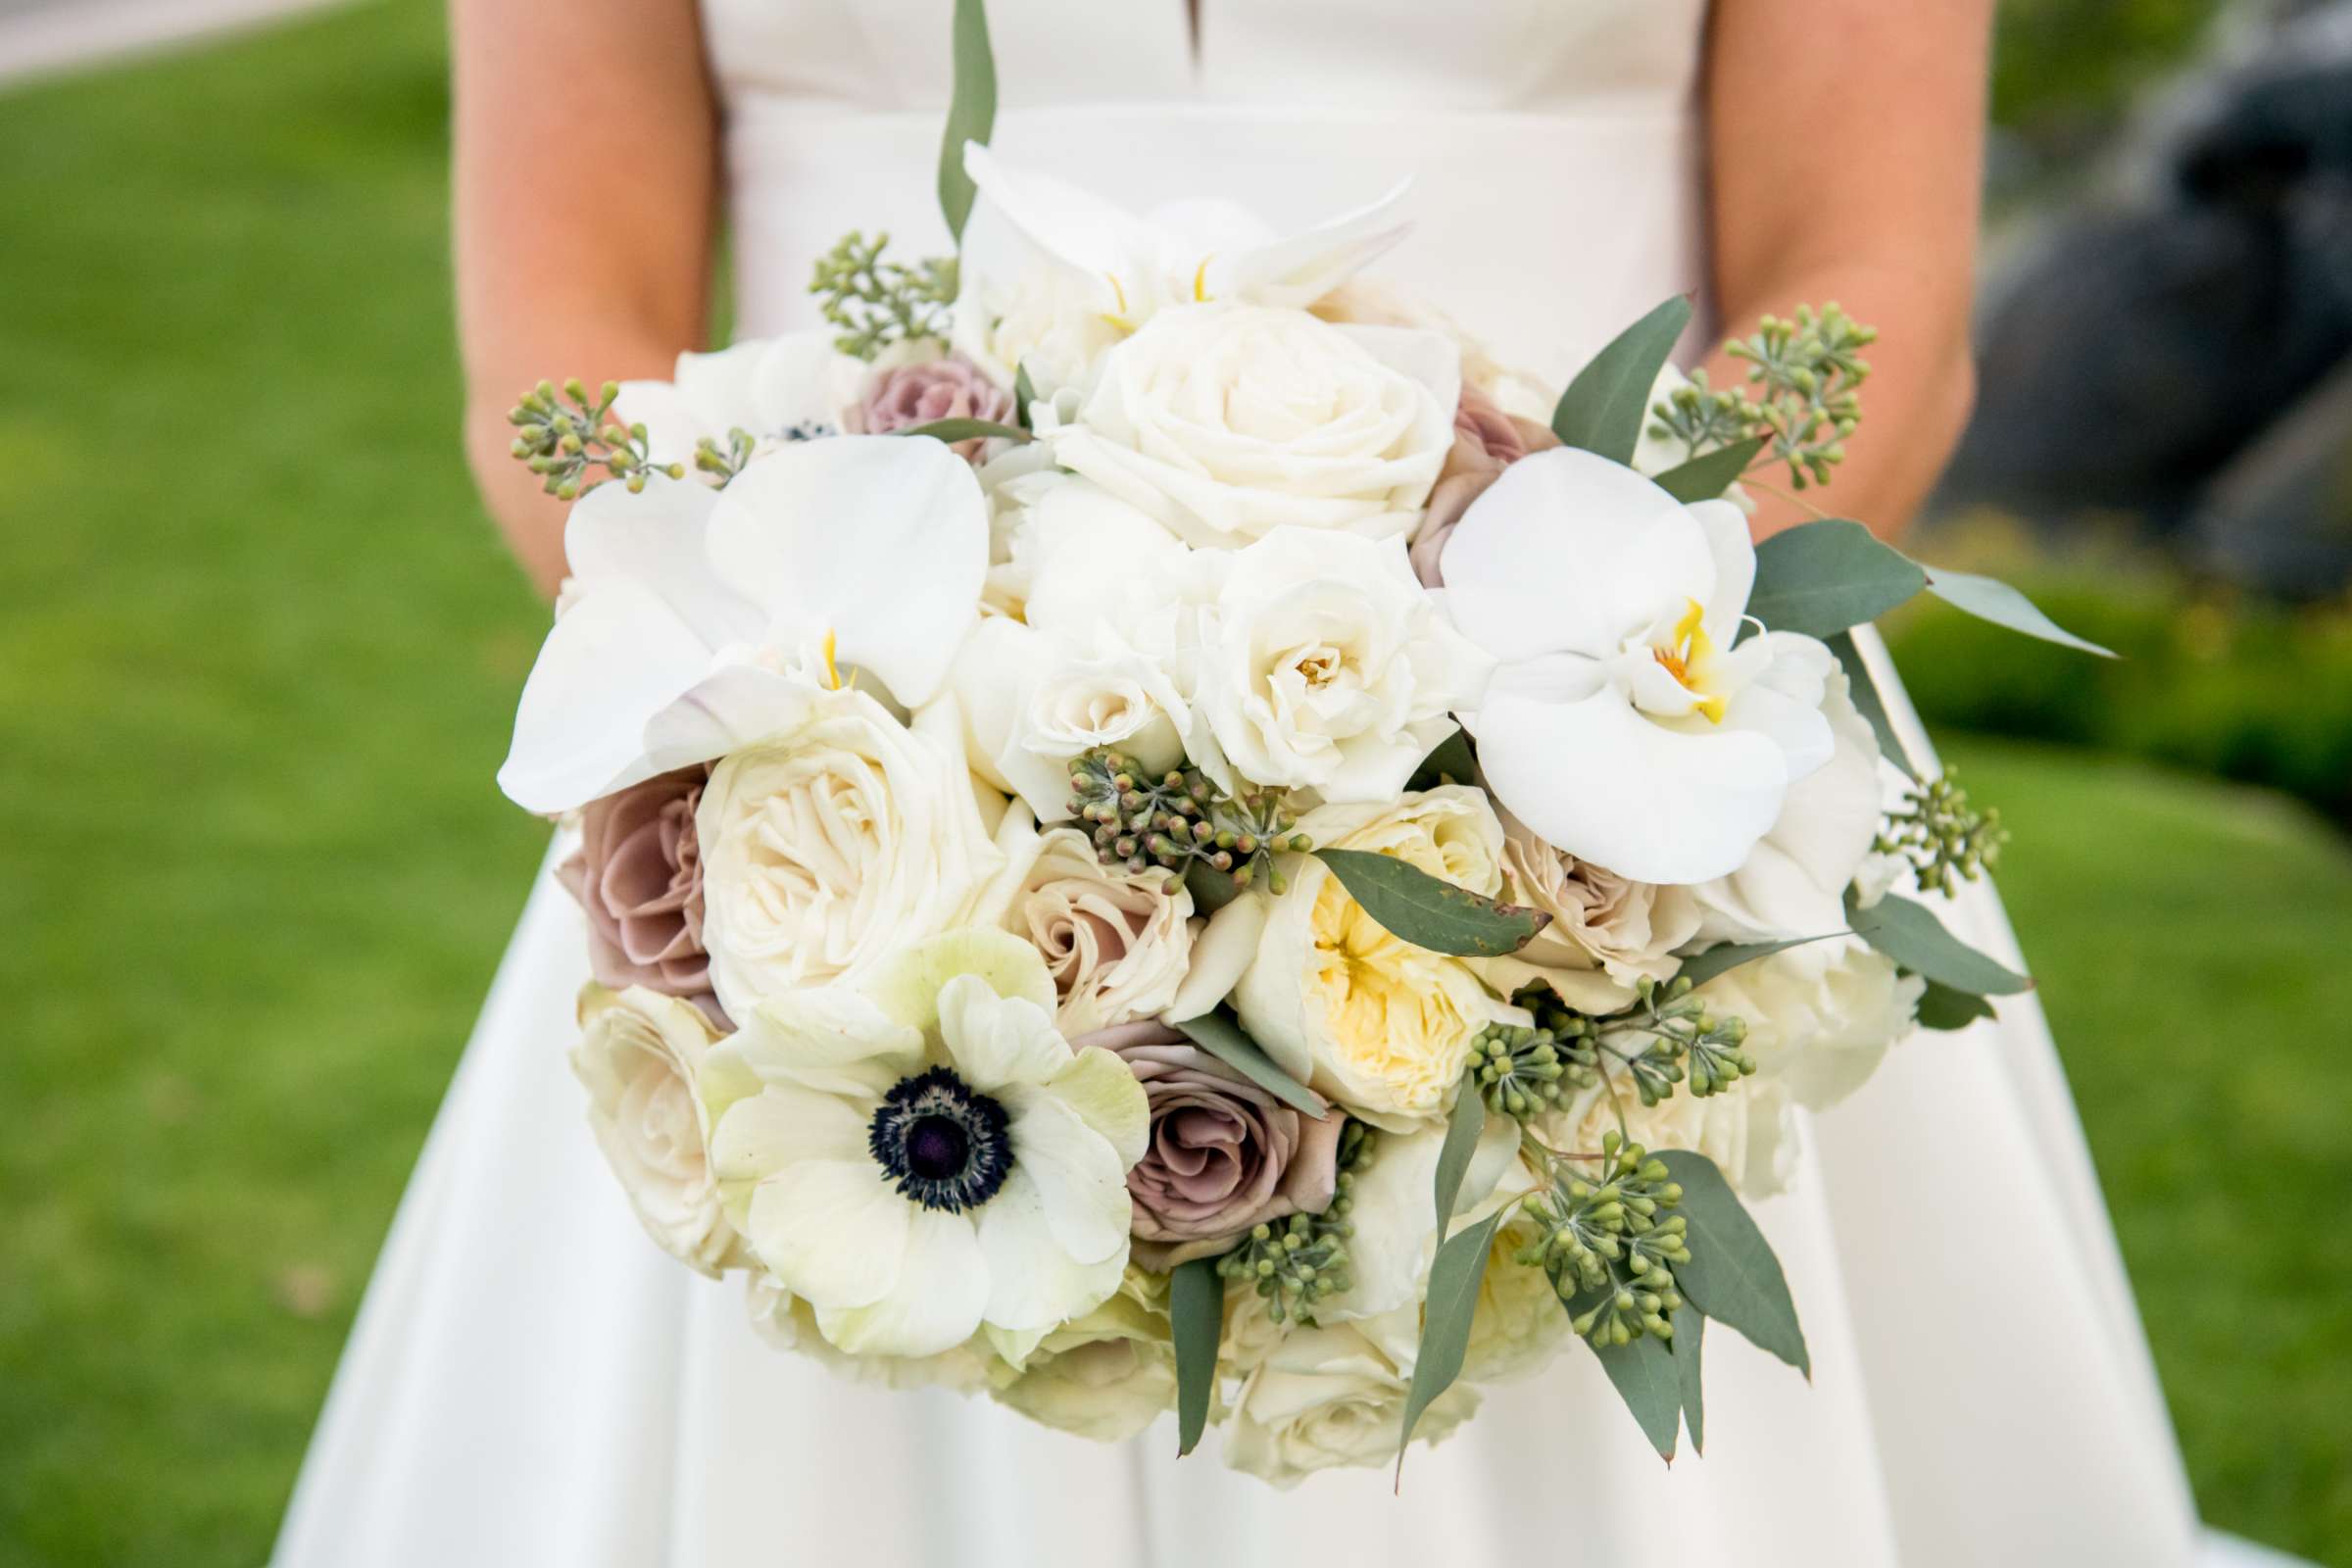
(584, 172)
(1846, 144)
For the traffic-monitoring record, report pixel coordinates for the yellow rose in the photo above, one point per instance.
(1367, 1018)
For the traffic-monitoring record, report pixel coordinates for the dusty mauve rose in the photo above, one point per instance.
(904, 396)
(638, 872)
(1485, 441)
(1224, 1153)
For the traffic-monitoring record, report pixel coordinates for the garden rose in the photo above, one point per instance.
(640, 1055)
(1224, 1153)
(923, 391)
(1105, 1376)
(833, 846)
(1323, 666)
(1227, 421)
(638, 874)
(1117, 944)
(1330, 1396)
(1365, 1017)
(1607, 932)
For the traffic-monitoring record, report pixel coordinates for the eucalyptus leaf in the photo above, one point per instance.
(953, 431)
(1210, 887)
(1605, 407)
(1462, 1127)
(1417, 908)
(1450, 761)
(1196, 1321)
(1942, 1008)
(971, 111)
(1648, 1381)
(1708, 475)
(1703, 967)
(1733, 1276)
(1024, 393)
(1909, 933)
(1689, 1337)
(1218, 1033)
(1991, 599)
(1864, 693)
(1822, 577)
(1454, 1281)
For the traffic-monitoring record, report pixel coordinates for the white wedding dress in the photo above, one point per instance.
(530, 1382)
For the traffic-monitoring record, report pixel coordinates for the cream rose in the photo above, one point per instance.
(1518, 1326)
(1607, 932)
(1105, 1376)
(1226, 421)
(1820, 1017)
(829, 848)
(639, 1054)
(1117, 944)
(1326, 1397)
(1367, 1018)
(1323, 666)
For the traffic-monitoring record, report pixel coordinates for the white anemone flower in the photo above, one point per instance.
(923, 1155)
(1050, 274)
(1625, 722)
(699, 620)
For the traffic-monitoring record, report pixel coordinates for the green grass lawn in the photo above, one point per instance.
(257, 656)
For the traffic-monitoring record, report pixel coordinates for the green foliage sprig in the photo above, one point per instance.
(1667, 1037)
(877, 303)
(561, 436)
(1181, 819)
(1295, 1263)
(1946, 840)
(1802, 395)
(1608, 1239)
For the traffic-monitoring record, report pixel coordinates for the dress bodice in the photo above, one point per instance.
(1553, 143)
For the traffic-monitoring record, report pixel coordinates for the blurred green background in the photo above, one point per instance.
(259, 651)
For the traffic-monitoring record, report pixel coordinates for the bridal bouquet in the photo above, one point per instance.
(1160, 833)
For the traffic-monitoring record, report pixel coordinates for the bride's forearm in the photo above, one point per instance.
(1845, 152)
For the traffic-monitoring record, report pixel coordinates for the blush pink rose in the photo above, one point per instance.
(1485, 441)
(638, 873)
(909, 395)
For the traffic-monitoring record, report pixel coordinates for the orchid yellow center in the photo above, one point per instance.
(832, 668)
(1200, 279)
(1685, 657)
(1118, 318)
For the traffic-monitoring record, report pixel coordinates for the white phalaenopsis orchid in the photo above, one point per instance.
(699, 620)
(1050, 274)
(1625, 722)
(769, 388)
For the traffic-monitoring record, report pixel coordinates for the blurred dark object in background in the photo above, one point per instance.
(2180, 353)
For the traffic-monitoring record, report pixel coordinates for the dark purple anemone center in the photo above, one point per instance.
(946, 1145)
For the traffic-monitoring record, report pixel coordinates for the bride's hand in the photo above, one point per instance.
(584, 151)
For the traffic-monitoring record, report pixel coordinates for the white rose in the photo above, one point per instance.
(1331, 1396)
(1392, 1207)
(1118, 944)
(1793, 882)
(1045, 318)
(789, 1323)
(1105, 1376)
(639, 1054)
(1748, 1129)
(1323, 666)
(1226, 421)
(1820, 1017)
(1370, 1021)
(834, 846)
